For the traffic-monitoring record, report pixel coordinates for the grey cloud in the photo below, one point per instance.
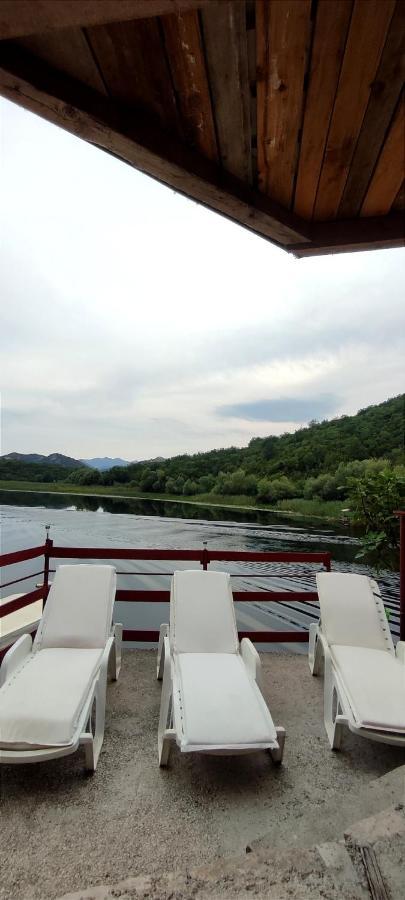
(283, 409)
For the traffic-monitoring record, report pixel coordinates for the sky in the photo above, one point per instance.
(135, 323)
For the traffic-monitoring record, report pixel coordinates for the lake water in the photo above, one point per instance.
(121, 522)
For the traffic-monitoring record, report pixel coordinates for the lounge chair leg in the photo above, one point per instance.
(277, 755)
(164, 632)
(114, 662)
(315, 650)
(165, 733)
(90, 760)
(94, 742)
(333, 725)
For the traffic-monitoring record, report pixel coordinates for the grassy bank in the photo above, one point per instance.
(330, 510)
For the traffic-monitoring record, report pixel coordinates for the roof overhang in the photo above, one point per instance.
(284, 118)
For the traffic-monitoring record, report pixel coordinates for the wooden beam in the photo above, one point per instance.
(129, 135)
(189, 75)
(375, 233)
(227, 64)
(23, 17)
(283, 35)
(389, 171)
(385, 90)
(331, 27)
(368, 28)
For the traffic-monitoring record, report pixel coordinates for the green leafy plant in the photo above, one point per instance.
(374, 499)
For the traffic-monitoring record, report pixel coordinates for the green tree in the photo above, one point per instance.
(374, 499)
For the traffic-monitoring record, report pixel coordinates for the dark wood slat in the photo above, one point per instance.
(69, 52)
(133, 63)
(385, 91)
(366, 39)
(329, 41)
(281, 64)
(65, 102)
(23, 17)
(389, 172)
(225, 40)
(399, 202)
(348, 235)
(187, 63)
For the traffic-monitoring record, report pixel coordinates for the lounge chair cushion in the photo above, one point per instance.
(217, 705)
(352, 612)
(374, 682)
(78, 612)
(202, 618)
(41, 702)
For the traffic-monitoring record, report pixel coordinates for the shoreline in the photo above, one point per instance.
(160, 499)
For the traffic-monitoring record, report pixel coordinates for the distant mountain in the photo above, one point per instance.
(103, 463)
(54, 459)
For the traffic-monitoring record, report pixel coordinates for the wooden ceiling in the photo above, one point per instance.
(286, 116)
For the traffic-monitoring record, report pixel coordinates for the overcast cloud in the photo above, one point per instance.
(135, 323)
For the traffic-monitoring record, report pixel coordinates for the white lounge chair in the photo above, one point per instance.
(364, 687)
(211, 698)
(48, 688)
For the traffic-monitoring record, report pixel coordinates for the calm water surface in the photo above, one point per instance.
(121, 522)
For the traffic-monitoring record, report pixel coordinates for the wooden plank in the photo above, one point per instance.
(187, 64)
(140, 143)
(373, 872)
(225, 40)
(23, 17)
(69, 52)
(282, 50)
(365, 42)
(385, 91)
(399, 202)
(341, 236)
(131, 57)
(329, 41)
(389, 172)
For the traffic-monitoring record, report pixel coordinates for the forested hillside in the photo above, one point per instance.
(18, 470)
(319, 461)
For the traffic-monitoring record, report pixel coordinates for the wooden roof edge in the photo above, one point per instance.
(133, 138)
(351, 235)
(20, 18)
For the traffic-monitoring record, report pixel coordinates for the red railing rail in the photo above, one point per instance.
(202, 556)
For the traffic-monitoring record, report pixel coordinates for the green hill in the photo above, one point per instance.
(314, 463)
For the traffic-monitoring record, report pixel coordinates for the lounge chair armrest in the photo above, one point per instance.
(15, 656)
(164, 633)
(400, 651)
(251, 659)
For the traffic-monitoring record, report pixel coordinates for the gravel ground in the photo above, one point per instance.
(62, 830)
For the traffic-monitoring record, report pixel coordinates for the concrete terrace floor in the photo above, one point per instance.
(62, 830)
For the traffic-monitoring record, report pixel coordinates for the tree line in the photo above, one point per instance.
(319, 461)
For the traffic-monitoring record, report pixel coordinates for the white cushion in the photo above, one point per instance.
(41, 702)
(352, 612)
(202, 617)
(217, 705)
(78, 612)
(374, 682)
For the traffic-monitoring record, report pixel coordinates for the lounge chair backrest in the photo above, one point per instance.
(78, 612)
(352, 611)
(202, 617)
